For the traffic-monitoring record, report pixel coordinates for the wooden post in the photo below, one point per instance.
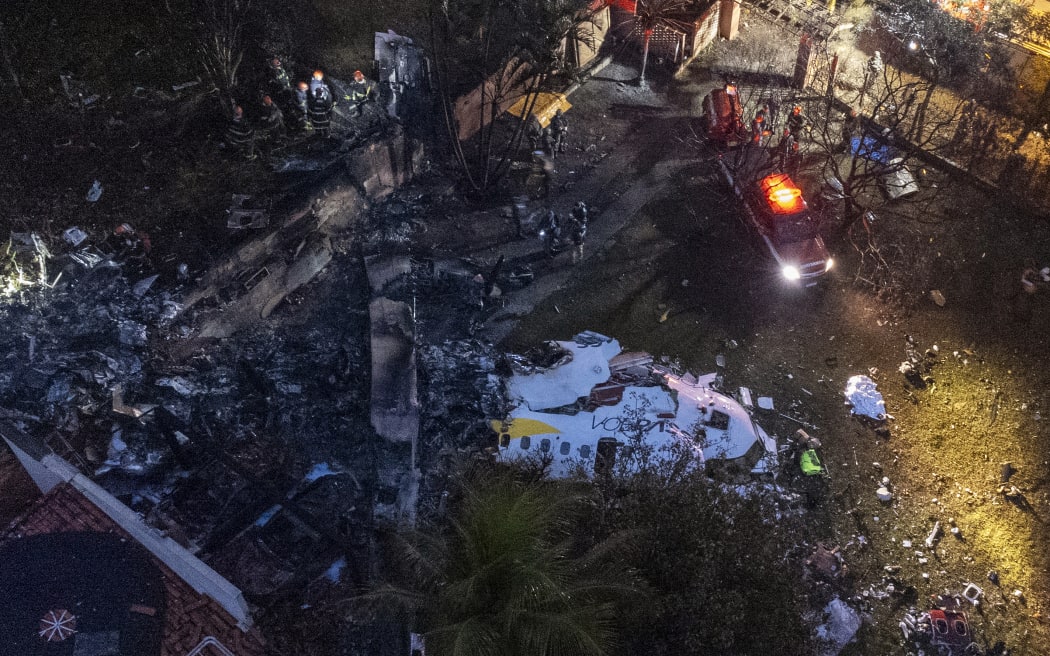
(802, 61)
(832, 72)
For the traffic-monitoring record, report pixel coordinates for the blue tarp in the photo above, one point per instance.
(873, 148)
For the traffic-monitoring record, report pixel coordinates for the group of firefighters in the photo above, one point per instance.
(787, 152)
(550, 139)
(308, 107)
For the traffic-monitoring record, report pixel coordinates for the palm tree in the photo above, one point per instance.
(505, 578)
(650, 14)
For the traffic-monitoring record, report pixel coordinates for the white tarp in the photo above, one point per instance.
(864, 398)
(839, 627)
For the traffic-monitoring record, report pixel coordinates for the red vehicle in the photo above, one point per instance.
(723, 118)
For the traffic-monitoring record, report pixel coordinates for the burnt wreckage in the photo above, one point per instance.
(247, 441)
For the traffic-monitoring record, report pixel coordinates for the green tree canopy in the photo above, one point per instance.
(506, 577)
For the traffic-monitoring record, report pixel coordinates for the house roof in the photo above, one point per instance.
(193, 621)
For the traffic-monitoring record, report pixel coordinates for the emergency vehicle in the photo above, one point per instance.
(723, 118)
(775, 209)
(582, 407)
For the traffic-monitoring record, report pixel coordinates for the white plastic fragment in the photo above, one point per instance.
(142, 286)
(935, 533)
(74, 236)
(972, 593)
(745, 398)
(95, 192)
(884, 494)
(765, 402)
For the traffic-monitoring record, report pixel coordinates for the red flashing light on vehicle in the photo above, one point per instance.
(783, 196)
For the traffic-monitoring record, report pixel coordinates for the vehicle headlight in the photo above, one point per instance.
(827, 265)
(791, 273)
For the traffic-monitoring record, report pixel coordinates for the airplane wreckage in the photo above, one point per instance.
(583, 407)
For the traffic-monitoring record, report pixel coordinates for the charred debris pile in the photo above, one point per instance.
(255, 451)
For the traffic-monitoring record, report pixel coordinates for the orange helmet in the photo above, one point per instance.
(318, 75)
(275, 62)
(267, 100)
(358, 75)
(796, 109)
(303, 86)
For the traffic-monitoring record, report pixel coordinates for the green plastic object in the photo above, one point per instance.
(811, 463)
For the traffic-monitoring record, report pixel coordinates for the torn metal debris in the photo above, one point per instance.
(582, 406)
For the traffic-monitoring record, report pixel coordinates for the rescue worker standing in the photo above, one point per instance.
(320, 111)
(547, 141)
(759, 131)
(279, 81)
(361, 91)
(796, 122)
(240, 135)
(552, 233)
(533, 132)
(317, 82)
(559, 128)
(302, 104)
(579, 231)
(271, 124)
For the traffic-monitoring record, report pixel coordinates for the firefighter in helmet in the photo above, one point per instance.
(361, 91)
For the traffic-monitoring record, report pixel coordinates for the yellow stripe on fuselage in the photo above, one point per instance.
(522, 427)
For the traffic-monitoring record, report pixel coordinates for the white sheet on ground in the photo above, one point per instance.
(864, 398)
(839, 627)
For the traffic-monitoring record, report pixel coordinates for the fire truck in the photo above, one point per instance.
(777, 213)
(723, 119)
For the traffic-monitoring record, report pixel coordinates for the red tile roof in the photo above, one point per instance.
(190, 617)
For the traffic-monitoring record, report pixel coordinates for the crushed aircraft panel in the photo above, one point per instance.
(578, 403)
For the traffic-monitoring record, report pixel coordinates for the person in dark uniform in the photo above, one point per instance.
(240, 135)
(533, 132)
(796, 122)
(320, 111)
(302, 106)
(271, 123)
(361, 90)
(579, 231)
(559, 128)
(280, 83)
